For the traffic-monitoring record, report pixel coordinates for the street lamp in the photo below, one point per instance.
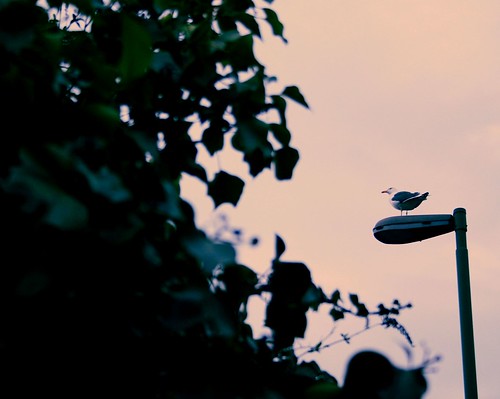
(408, 229)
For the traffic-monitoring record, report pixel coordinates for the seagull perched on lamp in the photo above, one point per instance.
(405, 200)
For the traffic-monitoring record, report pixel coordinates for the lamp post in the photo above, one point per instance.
(408, 229)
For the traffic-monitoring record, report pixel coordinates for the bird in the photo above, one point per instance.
(405, 200)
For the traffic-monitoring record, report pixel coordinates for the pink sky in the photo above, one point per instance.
(403, 93)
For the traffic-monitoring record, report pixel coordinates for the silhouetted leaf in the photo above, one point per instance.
(382, 310)
(259, 159)
(285, 160)
(163, 61)
(354, 299)
(251, 134)
(251, 90)
(197, 307)
(106, 183)
(213, 139)
(290, 279)
(314, 297)
(196, 170)
(335, 298)
(249, 22)
(336, 314)
(274, 22)
(172, 205)
(362, 311)
(286, 311)
(279, 246)
(239, 281)
(280, 104)
(281, 133)
(41, 190)
(239, 53)
(104, 115)
(294, 93)
(209, 253)
(225, 188)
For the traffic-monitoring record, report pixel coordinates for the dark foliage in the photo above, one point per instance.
(107, 286)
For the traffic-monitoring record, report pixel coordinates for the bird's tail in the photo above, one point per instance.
(425, 195)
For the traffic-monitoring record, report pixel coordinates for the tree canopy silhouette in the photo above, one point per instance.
(108, 287)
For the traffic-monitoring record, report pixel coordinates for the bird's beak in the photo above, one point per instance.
(385, 191)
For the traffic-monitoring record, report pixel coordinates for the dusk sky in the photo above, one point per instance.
(402, 93)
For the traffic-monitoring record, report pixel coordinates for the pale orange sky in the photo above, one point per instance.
(403, 93)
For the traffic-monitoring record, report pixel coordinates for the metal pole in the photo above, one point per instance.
(465, 305)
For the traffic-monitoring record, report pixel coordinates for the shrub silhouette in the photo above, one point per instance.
(108, 287)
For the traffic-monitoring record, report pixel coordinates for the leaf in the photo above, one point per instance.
(62, 210)
(336, 314)
(197, 308)
(362, 311)
(354, 299)
(251, 134)
(249, 22)
(240, 54)
(31, 180)
(314, 297)
(259, 160)
(252, 89)
(281, 133)
(213, 139)
(146, 143)
(239, 279)
(210, 254)
(291, 279)
(136, 50)
(294, 93)
(103, 115)
(382, 310)
(285, 160)
(280, 247)
(106, 183)
(196, 170)
(273, 20)
(172, 204)
(163, 61)
(280, 104)
(336, 297)
(225, 188)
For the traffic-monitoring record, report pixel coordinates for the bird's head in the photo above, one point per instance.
(390, 190)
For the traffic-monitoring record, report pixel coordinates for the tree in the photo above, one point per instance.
(108, 286)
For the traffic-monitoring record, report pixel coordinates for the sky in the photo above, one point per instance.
(402, 93)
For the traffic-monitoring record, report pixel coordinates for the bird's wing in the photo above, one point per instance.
(403, 196)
